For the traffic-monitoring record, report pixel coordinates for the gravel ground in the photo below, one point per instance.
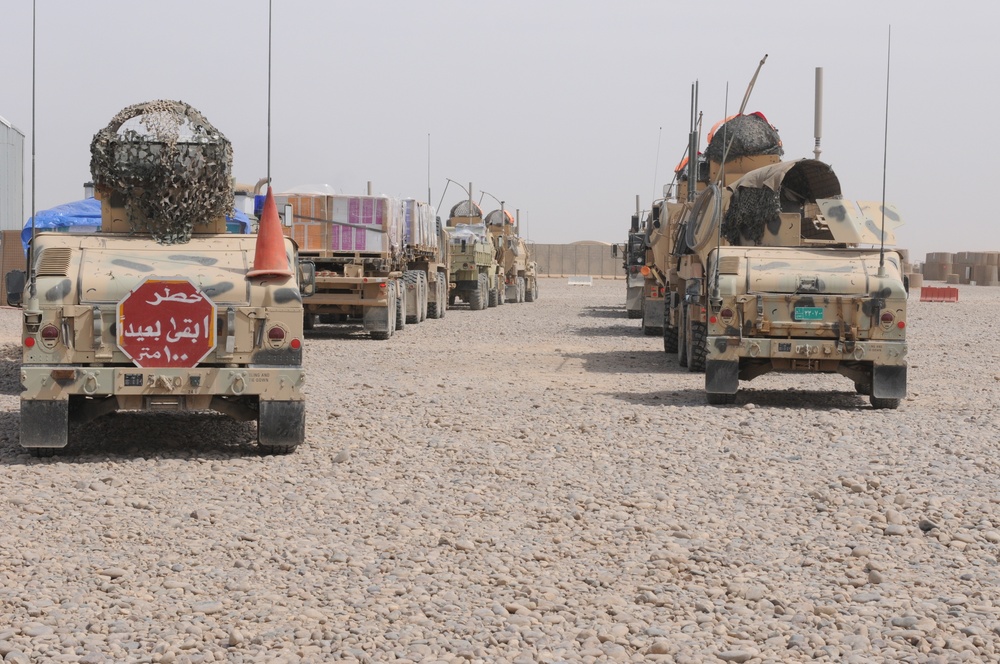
(532, 483)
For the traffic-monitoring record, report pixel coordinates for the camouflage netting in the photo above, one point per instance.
(750, 135)
(750, 210)
(172, 166)
(466, 208)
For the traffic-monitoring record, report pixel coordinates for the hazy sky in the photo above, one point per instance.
(553, 106)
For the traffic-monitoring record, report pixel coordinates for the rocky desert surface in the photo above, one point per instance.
(532, 483)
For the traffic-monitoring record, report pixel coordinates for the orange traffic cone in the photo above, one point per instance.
(269, 257)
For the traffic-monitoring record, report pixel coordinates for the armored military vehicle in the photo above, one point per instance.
(518, 273)
(474, 272)
(633, 260)
(766, 270)
(161, 310)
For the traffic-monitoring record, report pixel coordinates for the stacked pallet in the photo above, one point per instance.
(964, 267)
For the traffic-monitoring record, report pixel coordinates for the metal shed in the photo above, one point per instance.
(11, 177)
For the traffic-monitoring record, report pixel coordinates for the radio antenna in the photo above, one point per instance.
(656, 168)
(32, 285)
(885, 152)
(716, 299)
(269, 94)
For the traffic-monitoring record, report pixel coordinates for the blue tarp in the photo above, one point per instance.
(86, 216)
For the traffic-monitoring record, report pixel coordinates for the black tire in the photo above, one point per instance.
(436, 308)
(308, 321)
(424, 289)
(879, 403)
(42, 452)
(452, 298)
(281, 426)
(531, 294)
(400, 311)
(442, 294)
(863, 388)
(682, 344)
(669, 339)
(634, 313)
(716, 399)
(494, 297)
(411, 282)
(697, 349)
(477, 301)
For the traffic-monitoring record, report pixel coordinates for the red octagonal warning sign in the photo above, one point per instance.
(166, 322)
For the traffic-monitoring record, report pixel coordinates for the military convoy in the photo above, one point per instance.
(490, 263)
(162, 310)
(763, 269)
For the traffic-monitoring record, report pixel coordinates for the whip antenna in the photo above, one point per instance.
(716, 300)
(269, 94)
(885, 152)
(32, 286)
(656, 168)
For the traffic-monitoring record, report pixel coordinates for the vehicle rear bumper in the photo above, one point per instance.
(58, 382)
(727, 348)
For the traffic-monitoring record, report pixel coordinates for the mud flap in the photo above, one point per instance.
(888, 381)
(722, 376)
(281, 424)
(44, 423)
(376, 319)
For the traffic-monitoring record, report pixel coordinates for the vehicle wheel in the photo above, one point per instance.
(452, 297)
(863, 388)
(669, 338)
(442, 294)
(494, 296)
(308, 321)
(634, 313)
(424, 289)
(531, 294)
(281, 426)
(716, 399)
(697, 349)
(436, 308)
(883, 404)
(682, 344)
(411, 281)
(400, 312)
(476, 299)
(42, 452)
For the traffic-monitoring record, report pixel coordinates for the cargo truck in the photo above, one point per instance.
(356, 246)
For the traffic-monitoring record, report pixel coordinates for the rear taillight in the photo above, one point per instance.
(295, 344)
(49, 336)
(276, 334)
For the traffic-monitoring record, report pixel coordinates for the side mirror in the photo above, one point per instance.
(307, 278)
(14, 286)
(286, 216)
(614, 250)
